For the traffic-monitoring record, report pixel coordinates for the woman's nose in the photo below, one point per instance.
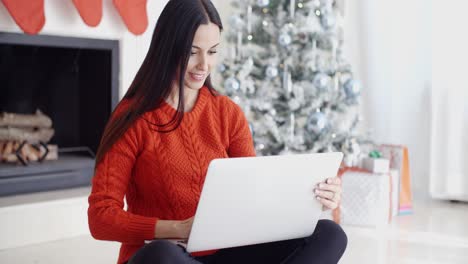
(203, 63)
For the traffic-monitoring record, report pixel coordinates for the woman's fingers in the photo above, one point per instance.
(329, 192)
(328, 204)
(329, 187)
(334, 180)
(325, 194)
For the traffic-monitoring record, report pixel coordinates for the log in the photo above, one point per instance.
(28, 152)
(38, 120)
(53, 152)
(8, 148)
(30, 135)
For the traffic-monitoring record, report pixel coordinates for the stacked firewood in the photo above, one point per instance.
(24, 138)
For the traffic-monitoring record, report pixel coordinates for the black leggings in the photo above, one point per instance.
(326, 245)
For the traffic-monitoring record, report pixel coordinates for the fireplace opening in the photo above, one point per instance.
(74, 82)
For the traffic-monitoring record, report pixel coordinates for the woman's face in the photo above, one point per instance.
(203, 55)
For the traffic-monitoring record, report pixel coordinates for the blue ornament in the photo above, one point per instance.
(231, 85)
(321, 81)
(352, 89)
(317, 122)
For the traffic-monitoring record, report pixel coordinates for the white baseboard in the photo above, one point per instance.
(43, 217)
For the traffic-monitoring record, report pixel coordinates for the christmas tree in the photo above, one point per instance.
(284, 66)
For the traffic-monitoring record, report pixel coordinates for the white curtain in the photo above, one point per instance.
(449, 101)
(449, 144)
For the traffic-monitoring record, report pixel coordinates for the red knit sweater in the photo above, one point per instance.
(162, 174)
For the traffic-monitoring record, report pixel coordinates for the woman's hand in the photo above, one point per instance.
(329, 193)
(184, 227)
(173, 228)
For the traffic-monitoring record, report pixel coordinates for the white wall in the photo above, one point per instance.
(393, 59)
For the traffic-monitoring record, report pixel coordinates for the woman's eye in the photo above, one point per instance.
(193, 53)
(212, 51)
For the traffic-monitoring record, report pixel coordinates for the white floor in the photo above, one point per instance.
(436, 233)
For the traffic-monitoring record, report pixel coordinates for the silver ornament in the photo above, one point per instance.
(322, 81)
(231, 85)
(352, 88)
(260, 146)
(317, 122)
(263, 3)
(221, 67)
(284, 39)
(271, 71)
(236, 22)
(328, 21)
(237, 100)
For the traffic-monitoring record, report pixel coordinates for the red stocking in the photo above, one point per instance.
(28, 14)
(90, 11)
(133, 13)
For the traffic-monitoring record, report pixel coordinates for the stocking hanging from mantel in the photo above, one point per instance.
(90, 11)
(134, 15)
(28, 14)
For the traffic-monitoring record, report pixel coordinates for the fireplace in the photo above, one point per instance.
(72, 80)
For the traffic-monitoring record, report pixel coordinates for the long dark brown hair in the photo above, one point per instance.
(168, 54)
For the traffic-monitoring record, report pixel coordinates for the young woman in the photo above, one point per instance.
(159, 141)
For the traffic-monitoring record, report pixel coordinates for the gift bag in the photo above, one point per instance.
(399, 160)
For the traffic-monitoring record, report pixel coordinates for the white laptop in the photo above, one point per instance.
(254, 200)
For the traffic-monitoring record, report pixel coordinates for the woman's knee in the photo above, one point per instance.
(332, 234)
(158, 251)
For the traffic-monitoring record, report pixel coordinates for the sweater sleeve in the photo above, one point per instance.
(106, 217)
(241, 143)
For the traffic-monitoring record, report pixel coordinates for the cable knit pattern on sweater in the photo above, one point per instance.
(161, 174)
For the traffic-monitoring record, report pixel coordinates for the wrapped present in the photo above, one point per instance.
(376, 165)
(399, 160)
(366, 199)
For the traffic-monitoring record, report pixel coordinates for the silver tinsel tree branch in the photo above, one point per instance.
(285, 68)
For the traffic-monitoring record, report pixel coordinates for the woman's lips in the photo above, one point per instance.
(196, 76)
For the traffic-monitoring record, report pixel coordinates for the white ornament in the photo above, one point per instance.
(271, 71)
(263, 3)
(284, 39)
